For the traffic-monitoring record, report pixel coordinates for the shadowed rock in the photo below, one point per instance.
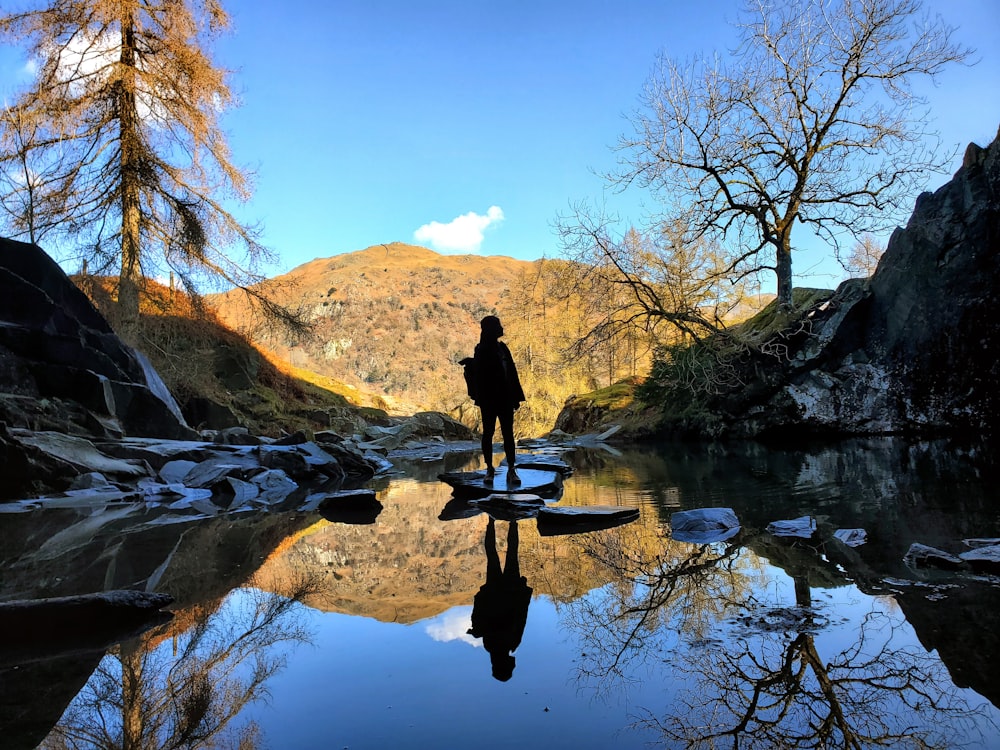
(44, 628)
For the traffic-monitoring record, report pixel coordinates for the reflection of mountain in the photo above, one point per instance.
(409, 566)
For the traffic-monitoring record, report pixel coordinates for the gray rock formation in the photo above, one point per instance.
(917, 348)
(61, 365)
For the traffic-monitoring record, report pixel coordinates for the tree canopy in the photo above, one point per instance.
(115, 148)
(811, 120)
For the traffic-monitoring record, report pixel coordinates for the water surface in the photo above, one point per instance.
(337, 635)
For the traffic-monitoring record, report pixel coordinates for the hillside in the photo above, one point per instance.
(391, 319)
(220, 378)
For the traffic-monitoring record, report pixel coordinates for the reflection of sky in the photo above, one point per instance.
(452, 625)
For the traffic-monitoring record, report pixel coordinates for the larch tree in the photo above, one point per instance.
(811, 121)
(119, 135)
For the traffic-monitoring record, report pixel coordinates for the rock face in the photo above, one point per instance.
(61, 365)
(916, 349)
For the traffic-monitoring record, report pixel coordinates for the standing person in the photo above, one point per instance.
(498, 394)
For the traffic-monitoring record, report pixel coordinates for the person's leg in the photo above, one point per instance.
(493, 569)
(489, 427)
(512, 567)
(506, 418)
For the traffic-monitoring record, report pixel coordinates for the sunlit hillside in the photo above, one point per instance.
(395, 319)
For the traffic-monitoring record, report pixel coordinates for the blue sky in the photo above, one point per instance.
(443, 123)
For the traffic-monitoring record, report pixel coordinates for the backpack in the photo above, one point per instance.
(471, 377)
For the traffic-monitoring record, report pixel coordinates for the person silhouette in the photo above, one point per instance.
(498, 395)
(500, 609)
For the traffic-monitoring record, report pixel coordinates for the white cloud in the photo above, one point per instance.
(453, 625)
(463, 234)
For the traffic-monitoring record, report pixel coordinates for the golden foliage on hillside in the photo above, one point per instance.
(395, 320)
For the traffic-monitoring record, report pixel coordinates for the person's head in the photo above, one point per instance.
(491, 328)
(503, 665)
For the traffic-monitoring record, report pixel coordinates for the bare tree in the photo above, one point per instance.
(184, 686)
(26, 199)
(811, 120)
(128, 98)
(864, 256)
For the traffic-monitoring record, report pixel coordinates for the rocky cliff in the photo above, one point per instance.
(913, 350)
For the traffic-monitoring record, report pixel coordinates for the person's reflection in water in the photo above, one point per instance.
(500, 609)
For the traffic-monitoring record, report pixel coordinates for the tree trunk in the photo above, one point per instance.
(130, 144)
(783, 271)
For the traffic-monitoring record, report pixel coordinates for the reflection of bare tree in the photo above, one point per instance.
(148, 695)
(774, 689)
(657, 583)
(762, 684)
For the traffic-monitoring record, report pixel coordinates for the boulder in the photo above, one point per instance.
(913, 350)
(851, 537)
(918, 348)
(56, 347)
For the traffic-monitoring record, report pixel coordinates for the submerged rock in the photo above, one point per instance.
(349, 506)
(922, 556)
(851, 537)
(704, 525)
(801, 528)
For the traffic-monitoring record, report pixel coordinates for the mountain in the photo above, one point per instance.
(391, 319)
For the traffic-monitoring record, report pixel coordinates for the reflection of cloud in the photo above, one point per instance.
(463, 234)
(453, 626)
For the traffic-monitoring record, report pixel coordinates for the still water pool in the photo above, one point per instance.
(380, 635)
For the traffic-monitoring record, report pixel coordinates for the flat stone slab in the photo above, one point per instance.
(503, 507)
(46, 628)
(82, 454)
(984, 559)
(475, 483)
(544, 462)
(553, 521)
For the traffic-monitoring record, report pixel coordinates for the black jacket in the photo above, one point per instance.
(497, 384)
